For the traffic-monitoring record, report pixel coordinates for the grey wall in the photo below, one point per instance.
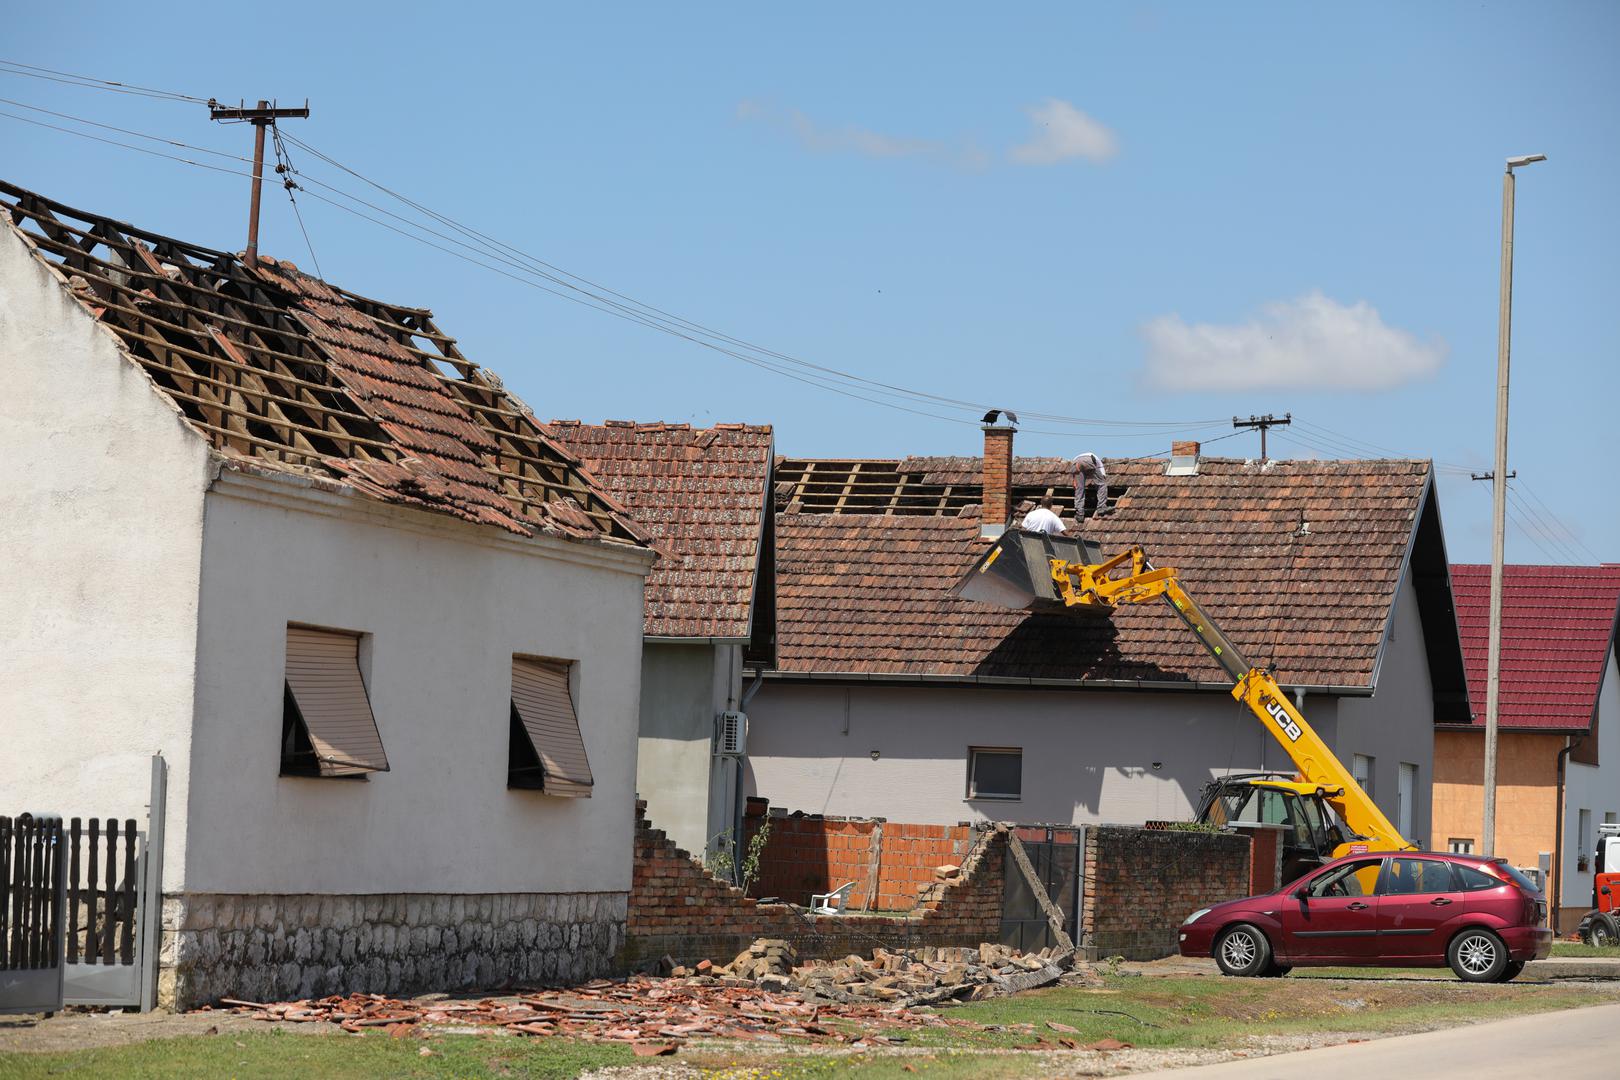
(445, 606)
(1088, 756)
(1396, 724)
(677, 733)
(1592, 787)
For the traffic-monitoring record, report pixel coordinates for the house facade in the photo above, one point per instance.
(702, 494)
(1558, 725)
(891, 697)
(384, 629)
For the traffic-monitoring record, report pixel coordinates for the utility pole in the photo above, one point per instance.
(1263, 422)
(1499, 479)
(265, 115)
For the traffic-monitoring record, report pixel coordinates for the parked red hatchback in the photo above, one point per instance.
(1413, 909)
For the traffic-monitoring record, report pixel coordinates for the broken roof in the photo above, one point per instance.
(1558, 629)
(867, 594)
(701, 493)
(283, 371)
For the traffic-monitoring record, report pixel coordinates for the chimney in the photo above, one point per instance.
(996, 505)
(1183, 459)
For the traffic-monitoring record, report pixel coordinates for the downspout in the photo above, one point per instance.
(1558, 839)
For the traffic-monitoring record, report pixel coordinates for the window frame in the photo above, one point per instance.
(299, 755)
(973, 794)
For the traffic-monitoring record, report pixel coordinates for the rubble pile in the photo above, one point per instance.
(927, 975)
(761, 994)
(655, 1015)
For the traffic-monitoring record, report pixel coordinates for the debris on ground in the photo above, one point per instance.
(927, 975)
(762, 994)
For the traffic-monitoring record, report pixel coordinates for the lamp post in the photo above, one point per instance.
(1504, 336)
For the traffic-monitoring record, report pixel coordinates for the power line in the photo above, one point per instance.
(125, 145)
(1566, 551)
(285, 170)
(125, 131)
(90, 83)
(1549, 515)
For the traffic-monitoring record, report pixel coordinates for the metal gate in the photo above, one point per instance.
(82, 899)
(31, 893)
(1055, 854)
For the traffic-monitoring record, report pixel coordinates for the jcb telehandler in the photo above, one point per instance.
(1326, 812)
(1601, 925)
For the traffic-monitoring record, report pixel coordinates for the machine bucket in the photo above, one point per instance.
(1017, 572)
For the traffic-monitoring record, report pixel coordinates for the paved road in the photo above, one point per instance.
(1574, 1045)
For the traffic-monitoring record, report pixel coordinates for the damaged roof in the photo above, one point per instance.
(1300, 561)
(1558, 629)
(701, 492)
(280, 370)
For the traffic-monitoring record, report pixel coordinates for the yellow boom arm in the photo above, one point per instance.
(1138, 582)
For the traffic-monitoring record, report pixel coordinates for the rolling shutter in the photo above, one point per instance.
(540, 696)
(323, 674)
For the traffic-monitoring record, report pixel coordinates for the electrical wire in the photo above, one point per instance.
(1549, 515)
(1566, 550)
(285, 170)
(125, 145)
(126, 131)
(90, 83)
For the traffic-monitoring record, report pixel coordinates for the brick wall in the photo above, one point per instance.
(1141, 883)
(889, 863)
(678, 909)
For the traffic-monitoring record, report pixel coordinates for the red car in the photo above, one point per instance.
(1412, 909)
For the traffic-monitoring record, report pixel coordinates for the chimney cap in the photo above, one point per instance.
(990, 417)
(1183, 459)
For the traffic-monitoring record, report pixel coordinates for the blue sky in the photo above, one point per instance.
(1161, 212)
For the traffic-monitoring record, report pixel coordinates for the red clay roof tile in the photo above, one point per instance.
(1558, 626)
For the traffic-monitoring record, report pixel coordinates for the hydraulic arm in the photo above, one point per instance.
(1128, 578)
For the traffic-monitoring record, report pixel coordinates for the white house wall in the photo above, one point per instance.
(678, 706)
(1592, 787)
(101, 518)
(444, 606)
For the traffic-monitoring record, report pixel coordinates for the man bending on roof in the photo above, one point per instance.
(1088, 469)
(1043, 518)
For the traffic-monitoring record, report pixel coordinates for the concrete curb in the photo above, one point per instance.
(1574, 967)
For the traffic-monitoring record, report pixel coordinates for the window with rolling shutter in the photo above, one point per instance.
(547, 751)
(327, 725)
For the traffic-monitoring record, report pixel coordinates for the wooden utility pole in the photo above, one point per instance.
(1263, 422)
(265, 115)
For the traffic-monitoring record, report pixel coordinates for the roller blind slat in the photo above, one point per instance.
(323, 673)
(546, 707)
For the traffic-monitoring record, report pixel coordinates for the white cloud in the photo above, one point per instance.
(962, 153)
(1063, 132)
(1313, 343)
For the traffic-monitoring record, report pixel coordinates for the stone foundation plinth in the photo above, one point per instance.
(281, 947)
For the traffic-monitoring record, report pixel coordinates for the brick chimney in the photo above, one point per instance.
(1183, 459)
(996, 505)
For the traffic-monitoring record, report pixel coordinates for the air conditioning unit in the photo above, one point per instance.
(731, 734)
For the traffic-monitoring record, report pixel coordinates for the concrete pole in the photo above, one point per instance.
(1493, 677)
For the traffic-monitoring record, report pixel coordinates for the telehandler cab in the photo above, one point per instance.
(1326, 812)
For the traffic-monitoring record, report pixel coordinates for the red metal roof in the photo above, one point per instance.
(1558, 625)
(701, 493)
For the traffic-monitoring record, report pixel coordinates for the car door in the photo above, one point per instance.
(1418, 900)
(1334, 915)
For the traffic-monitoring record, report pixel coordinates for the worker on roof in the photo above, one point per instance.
(1043, 518)
(1089, 469)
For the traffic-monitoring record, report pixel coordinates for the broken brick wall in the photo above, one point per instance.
(678, 909)
(1141, 883)
(888, 862)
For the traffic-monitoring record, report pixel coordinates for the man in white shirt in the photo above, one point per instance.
(1043, 518)
(1088, 468)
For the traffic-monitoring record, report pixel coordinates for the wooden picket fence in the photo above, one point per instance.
(30, 867)
(102, 879)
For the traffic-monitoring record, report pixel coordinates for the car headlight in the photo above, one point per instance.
(1195, 916)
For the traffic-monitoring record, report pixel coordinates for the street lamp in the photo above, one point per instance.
(1504, 335)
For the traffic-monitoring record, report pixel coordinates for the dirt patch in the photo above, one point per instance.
(77, 1030)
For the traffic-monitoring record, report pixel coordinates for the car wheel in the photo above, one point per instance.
(1511, 971)
(1477, 956)
(1602, 931)
(1243, 951)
